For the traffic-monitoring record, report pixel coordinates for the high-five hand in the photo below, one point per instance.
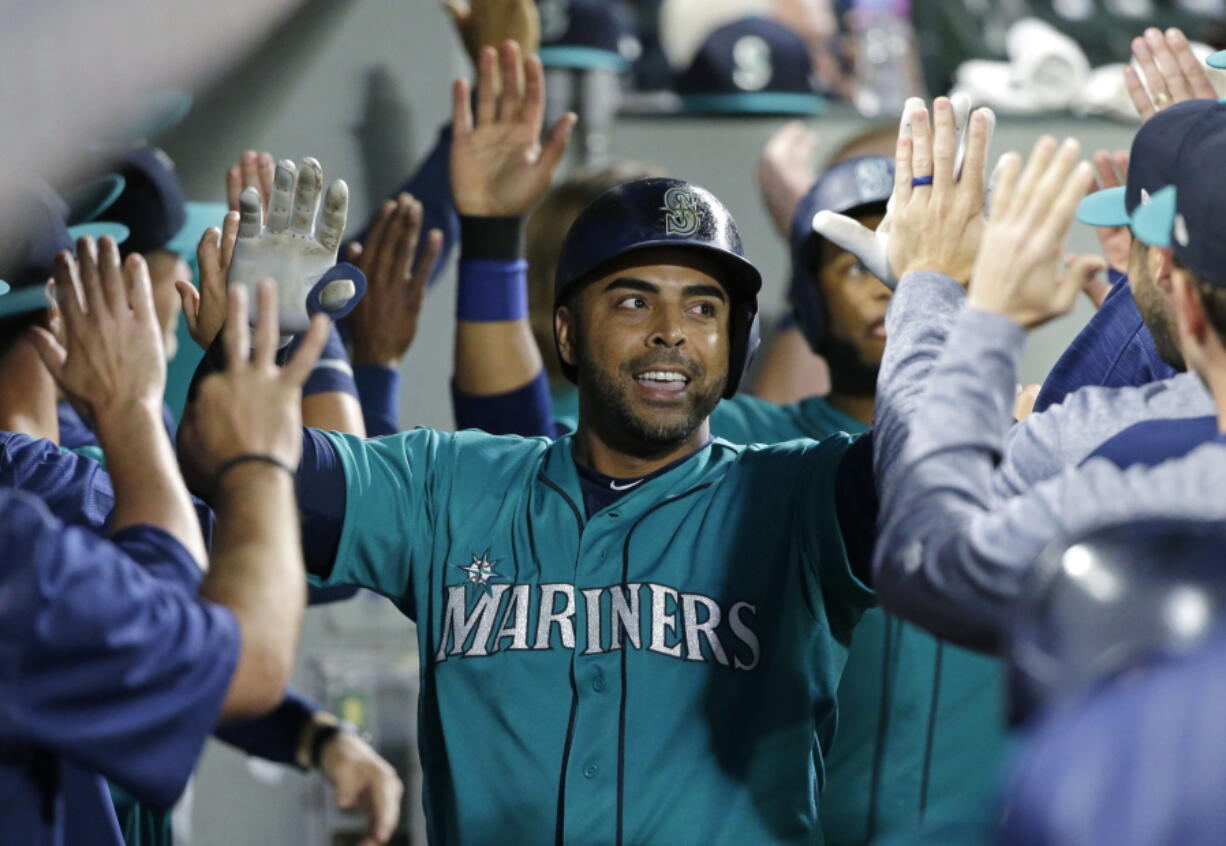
(112, 356)
(498, 166)
(1018, 271)
(397, 268)
(253, 406)
(293, 247)
(1171, 70)
(960, 166)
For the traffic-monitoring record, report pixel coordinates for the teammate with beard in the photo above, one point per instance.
(633, 633)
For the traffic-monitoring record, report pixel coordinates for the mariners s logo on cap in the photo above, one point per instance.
(681, 209)
(873, 178)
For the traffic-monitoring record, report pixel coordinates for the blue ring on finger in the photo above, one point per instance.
(921, 180)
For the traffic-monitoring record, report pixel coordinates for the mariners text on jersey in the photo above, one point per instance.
(689, 626)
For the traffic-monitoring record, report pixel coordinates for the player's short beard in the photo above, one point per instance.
(850, 374)
(618, 417)
(1156, 313)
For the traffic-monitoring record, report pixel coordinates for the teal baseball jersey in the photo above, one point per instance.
(921, 722)
(663, 671)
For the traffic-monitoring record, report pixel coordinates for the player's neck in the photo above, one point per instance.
(854, 406)
(27, 395)
(627, 460)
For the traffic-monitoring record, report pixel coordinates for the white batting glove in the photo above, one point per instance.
(293, 247)
(870, 246)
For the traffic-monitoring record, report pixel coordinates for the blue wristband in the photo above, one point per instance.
(492, 291)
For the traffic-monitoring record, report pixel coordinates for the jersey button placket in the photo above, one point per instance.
(591, 789)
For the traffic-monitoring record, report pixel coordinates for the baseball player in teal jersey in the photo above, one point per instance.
(920, 730)
(632, 634)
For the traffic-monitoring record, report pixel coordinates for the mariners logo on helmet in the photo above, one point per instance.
(873, 177)
(682, 208)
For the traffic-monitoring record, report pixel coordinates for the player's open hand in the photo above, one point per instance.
(498, 166)
(253, 406)
(111, 356)
(1171, 70)
(397, 267)
(205, 309)
(363, 782)
(1018, 271)
(488, 23)
(937, 223)
(297, 243)
(937, 217)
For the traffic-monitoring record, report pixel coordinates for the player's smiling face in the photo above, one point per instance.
(649, 339)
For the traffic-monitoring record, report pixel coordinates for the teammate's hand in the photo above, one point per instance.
(498, 166)
(363, 782)
(112, 357)
(384, 323)
(205, 309)
(939, 226)
(293, 248)
(1024, 400)
(251, 407)
(488, 23)
(1111, 171)
(1087, 271)
(254, 170)
(1018, 273)
(1171, 70)
(962, 144)
(786, 171)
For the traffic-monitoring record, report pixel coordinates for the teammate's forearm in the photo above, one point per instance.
(334, 411)
(257, 573)
(149, 489)
(495, 351)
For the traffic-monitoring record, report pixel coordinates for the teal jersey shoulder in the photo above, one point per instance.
(920, 731)
(745, 419)
(663, 671)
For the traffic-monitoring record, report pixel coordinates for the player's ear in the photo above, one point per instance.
(1161, 267)
(566, 329)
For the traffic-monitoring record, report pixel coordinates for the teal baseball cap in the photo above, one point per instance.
(1187, 215)
(1217, 60)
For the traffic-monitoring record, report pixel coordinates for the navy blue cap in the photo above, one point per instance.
(1151, 165)
(1186, 214)
(583, 34)
(28, 245)
(860, 185)
(153, 205)
(751, 66)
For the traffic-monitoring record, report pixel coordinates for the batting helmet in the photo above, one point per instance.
(659, 212)
(860, 185)
(1118, 597)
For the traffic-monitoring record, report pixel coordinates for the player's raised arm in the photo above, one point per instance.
(243, 434)
(113, 366)
(499, 170)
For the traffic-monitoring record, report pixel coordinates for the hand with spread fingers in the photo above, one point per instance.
(253, 406)
(1018, 271)
(397, 267)
(296, 245)
(488, 23)
(1171, 71)
(935, 212)
(112, 356)
(205, 309)
(254, 170)
(363, 782)
(786, 171)
(498, 166)
(1111, 171)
